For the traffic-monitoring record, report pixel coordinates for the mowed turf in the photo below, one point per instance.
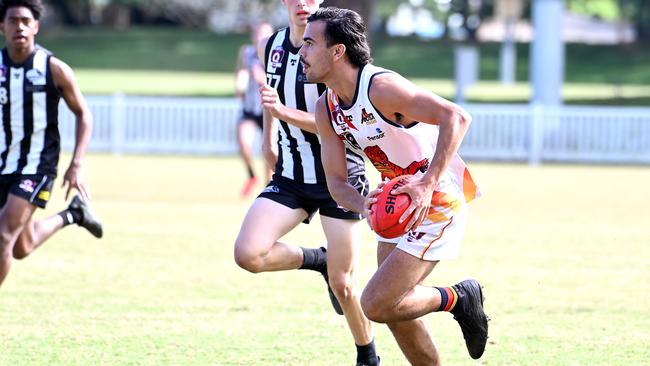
(563, 252)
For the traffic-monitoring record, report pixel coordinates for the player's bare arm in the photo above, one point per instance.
(301, 119)
(401, 100)
(271, 102)
(66, 83)
(335, 163)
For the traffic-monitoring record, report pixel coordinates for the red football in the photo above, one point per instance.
(388, 209)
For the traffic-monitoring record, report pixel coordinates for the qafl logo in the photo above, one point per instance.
(276, 58)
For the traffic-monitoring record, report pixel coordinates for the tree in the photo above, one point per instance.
(365, 8)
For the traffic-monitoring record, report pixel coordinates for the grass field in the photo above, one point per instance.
(214, 84)
(562, 251)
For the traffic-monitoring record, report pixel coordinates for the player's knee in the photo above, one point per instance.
(20, 253)
(23, 247)
(247, 259)
(342, 284)
(372, 307)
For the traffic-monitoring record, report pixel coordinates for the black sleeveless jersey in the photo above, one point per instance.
(298, 150)
(29, 101)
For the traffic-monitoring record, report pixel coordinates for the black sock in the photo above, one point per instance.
(314, 259)
(367, 355)
(251, 173)
(70, 217)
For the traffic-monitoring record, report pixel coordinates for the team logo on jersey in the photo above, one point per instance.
(35, 76)
(380, 134)
(275, 59)
(367, 118)
(390, 170)
(27, 185)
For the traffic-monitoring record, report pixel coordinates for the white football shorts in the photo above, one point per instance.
(434, 241)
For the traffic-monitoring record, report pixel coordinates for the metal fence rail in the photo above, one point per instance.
(510, 132)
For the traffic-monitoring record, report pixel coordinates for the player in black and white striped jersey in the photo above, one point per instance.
(298, 188)
(32, 81)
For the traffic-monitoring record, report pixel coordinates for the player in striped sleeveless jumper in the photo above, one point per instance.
(298, 188)
(32, 81)
(401, 129)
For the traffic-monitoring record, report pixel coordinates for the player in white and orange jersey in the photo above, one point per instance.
(401, 129)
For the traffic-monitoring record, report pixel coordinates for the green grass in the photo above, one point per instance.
(215, 84)
(156, 82)
(562, 251)
(177, 61)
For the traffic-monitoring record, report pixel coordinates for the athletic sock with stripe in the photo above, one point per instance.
(448, 298)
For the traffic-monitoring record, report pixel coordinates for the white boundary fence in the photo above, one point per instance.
(584, 134)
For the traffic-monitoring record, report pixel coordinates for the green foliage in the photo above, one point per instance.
(553, 245)
(145, 49)
(605, 9)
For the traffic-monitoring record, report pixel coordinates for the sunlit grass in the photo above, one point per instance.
(219, 84)
(562, 250)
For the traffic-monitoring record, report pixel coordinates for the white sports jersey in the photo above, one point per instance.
(396, 150)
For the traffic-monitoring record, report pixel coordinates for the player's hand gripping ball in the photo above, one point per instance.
(385, 213)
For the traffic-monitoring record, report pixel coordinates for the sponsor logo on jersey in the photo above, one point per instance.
(44, 195)
(380, 134)
(35, 88)
(349, 138)
(367, 118)
(35, 76)
(27, 185)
